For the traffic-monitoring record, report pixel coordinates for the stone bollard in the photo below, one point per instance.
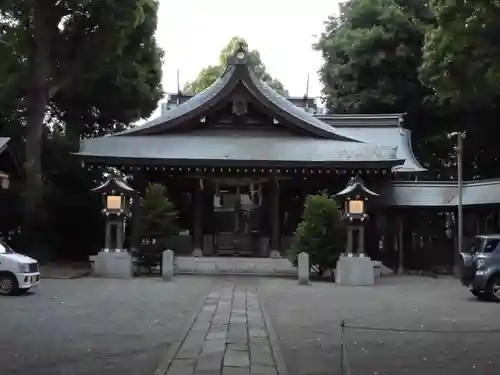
(304, 269)
(167, 268)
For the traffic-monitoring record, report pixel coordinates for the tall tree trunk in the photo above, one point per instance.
(37, 104)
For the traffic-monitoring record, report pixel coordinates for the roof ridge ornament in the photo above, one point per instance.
(239, 57)
(355, 186)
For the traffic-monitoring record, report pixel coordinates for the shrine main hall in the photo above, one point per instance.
(239, 160)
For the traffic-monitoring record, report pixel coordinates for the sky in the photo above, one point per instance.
(193, 32)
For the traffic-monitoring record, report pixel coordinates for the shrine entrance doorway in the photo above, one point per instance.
(237, 216)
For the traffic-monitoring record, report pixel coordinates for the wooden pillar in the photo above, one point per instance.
(198, 218)
(139, 184)
(107, 237)
(361, 240)
(208, 217)
(114, 235)
(400, 227)
(349, 244)
(275, 218)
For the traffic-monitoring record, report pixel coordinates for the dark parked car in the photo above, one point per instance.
(481, 267)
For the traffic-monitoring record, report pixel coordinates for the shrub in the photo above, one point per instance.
(155, 224)
(320, 233)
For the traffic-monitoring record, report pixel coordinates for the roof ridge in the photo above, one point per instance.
(489, 181)
(238, 72)
(387, 120)
(284, 104)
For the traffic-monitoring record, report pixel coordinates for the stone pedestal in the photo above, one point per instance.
(274, 254)
(304, 269)
(197, 252)
(114, 235)
(263, 246)
(208, 244)
(167, 267)
(114, 265)
(353, 270)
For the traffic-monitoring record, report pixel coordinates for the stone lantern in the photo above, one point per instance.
(116, 196)
(356, 196)
(114, 261)
(354, 268)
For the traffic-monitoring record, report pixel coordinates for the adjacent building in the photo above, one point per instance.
(239, 160)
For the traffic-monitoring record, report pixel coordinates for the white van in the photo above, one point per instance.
(18, 273)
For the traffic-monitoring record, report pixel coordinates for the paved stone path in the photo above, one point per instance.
(229, 336)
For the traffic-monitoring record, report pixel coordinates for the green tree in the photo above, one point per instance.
(154, 226)
(320, 233)
(461, 54)
(209, 75)
(125, 90)
(371, 53)
(461, 64)
(91, 67)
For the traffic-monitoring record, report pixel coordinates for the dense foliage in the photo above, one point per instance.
(461, 62)
(461, 55)
(209, 75)
(70, 70)
(435, 60)
(76, 69)
(320, 233)
(154, 225)
(371, 55)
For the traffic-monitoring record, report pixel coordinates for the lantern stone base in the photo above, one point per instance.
(274, 254)
(197, 252)
(354, 270)
(113, 265)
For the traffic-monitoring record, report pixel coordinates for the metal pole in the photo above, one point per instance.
(460, 228)
(342, 325)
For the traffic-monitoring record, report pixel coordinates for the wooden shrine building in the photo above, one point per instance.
(238, 160)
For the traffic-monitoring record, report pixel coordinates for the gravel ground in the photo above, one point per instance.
(307, 320)
(96, 326)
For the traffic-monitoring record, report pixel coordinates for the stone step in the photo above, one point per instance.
(380, 269)
(234, 265)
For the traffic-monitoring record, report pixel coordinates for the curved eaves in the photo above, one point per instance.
(302, 118)
(356, 186)
(411, 163)
(186, 110)
(3, 143)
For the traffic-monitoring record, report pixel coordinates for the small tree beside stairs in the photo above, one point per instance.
(320, 233)
(155, 224)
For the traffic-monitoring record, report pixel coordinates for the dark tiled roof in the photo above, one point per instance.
(235, 74)
(363, 120)
(3, 143)
(204, 149)
(200, 100)
(369, 138)
(306, 118)
(441, 194)
(299, 101)
(383, 129)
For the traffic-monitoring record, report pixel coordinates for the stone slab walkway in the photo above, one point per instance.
(229, 336)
